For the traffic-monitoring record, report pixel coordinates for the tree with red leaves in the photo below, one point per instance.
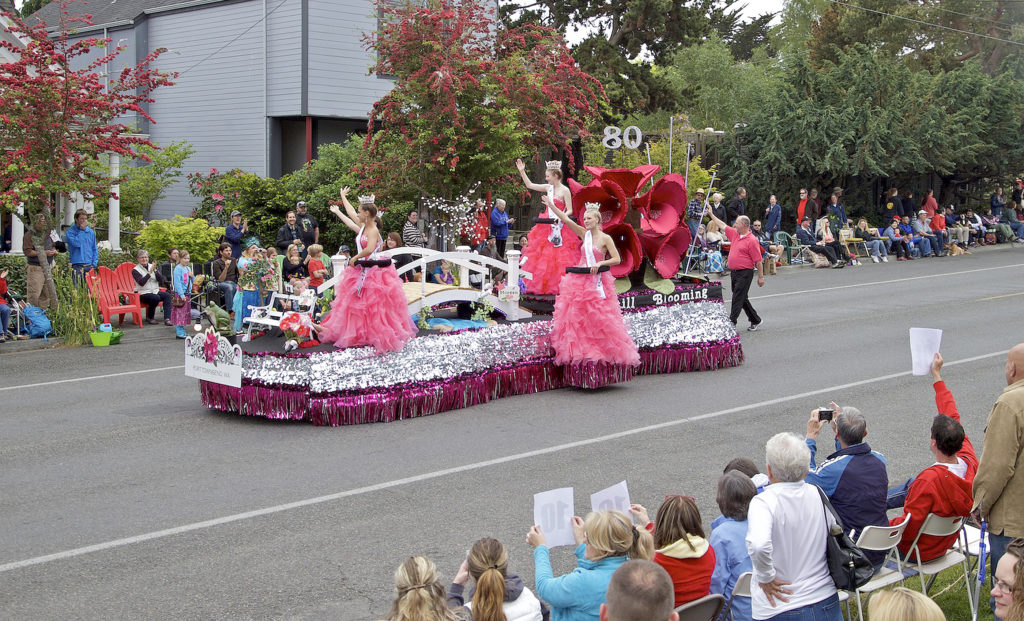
(469, 98)
(58, 123)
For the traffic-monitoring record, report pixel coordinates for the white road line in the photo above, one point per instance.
(883, 282)
(127, 541)
(93, 377)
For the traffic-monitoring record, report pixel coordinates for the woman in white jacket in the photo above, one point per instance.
(498, 595)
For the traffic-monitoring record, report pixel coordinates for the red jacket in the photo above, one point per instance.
(939, 491)
(689, 565)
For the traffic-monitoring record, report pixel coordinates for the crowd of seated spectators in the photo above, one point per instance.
(772, 525)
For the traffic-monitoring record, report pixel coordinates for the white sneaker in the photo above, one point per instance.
(885, 259)
(874, 258)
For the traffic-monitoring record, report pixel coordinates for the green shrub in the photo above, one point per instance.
(191, 234)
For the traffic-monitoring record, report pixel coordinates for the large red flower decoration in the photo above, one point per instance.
(629, 179)
(664, 207)
(666, 252)
(614, 205)
(628, 245)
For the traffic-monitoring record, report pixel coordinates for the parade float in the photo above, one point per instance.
(678, 323)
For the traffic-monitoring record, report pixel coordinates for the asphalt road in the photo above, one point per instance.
(123, 498)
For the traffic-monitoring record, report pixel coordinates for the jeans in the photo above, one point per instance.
(876, 248)
(1017, 226)
(5, 317)
(828, 609)
(693, 224)
(938, 242)
(152, 300)
(922, 247)
(78, 271)
(227, 290)
(897, 495)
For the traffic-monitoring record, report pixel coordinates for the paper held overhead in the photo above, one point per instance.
(924, 344)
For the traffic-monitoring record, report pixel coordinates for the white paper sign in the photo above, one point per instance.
(220, 364)
(615, 498)
(924, 344)
(510, 293)
(553, 512)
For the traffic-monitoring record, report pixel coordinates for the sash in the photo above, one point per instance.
(555, 237)
(588, 253)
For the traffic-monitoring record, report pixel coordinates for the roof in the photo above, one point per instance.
(111, 12)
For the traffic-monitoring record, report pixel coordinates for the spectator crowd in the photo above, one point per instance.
(773, 527)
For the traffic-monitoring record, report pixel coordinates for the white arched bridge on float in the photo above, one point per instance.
(467, 263)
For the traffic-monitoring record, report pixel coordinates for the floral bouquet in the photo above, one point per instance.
(298, 330)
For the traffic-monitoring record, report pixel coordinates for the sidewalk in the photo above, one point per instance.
(132, 334)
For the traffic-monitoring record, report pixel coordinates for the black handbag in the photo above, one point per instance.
(849, 566)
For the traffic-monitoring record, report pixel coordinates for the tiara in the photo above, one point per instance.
(367, 200)
(554, 165)
(589, 206)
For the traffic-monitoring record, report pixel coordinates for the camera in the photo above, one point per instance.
(825, 414)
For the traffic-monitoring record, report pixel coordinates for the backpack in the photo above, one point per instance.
(39, 326)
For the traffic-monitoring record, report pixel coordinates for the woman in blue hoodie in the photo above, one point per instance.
(728, 539)
(604, 542)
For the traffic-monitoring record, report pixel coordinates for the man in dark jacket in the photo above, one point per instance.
(309, 228)
(288, 234)
(737, 206)
(853, 477)
(805, 236)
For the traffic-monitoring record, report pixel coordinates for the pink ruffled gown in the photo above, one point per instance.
(588, 333)
(370, 308)
(546, 262)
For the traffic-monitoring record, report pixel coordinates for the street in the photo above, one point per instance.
(123, 498)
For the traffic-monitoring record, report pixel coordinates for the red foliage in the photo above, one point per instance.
(469, 97)
(56, 121)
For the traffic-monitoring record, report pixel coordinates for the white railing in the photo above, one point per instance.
(468, 262)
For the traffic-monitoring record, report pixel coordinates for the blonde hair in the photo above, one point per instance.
(288, 254)
(419, 593)
(314, 250)
(902, 604)
(611, 533)
(488, 564)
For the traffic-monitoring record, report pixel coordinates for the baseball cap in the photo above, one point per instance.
(235, 213)
(300, 204)
(922, 212)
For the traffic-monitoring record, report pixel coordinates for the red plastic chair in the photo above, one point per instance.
(112, 297)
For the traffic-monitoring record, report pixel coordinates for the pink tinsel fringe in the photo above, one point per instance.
(426, 398)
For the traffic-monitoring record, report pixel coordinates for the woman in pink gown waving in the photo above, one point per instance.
(549, 249)
(588, 333)
(370, 307)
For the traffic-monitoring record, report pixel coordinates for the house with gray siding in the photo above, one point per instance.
(262, 83)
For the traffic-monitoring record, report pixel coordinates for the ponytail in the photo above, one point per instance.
(643, 545)
(489, 596)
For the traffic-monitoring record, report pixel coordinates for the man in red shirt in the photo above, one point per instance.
(944, 488)
(938, 226)
(744, 259)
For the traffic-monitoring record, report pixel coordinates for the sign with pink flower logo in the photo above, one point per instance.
(211, 357)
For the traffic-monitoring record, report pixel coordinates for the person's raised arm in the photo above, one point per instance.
(718, 222)
(347, 220)
(536, 187)
(564, 217)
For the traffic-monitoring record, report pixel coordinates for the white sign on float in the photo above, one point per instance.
(614, 498)
(924, 344)
(553, 512)
(510, 293)
(213, 358)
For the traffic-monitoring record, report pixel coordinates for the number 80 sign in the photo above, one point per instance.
(614, 137)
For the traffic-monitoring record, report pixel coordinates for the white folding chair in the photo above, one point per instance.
(969, 544)
(706, 608)
(879, 539)
(937, 526)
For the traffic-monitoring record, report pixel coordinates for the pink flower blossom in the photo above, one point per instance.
(213, 171)
(217, 197)
(218, 207)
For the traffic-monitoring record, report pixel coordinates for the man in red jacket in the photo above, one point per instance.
(943, 488)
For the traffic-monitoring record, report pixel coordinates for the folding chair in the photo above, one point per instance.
(847, 239)
(706, 608)
(883, 538)
(970, 544)
(938, 526)
(793, 247)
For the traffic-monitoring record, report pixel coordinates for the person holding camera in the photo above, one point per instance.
(853, 477)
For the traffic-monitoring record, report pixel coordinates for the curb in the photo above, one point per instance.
(14, 347)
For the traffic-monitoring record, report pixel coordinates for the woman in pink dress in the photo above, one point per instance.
(370, 307)
(588, 333)
(548, 250)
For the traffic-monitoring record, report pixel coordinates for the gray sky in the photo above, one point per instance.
(756, 8)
